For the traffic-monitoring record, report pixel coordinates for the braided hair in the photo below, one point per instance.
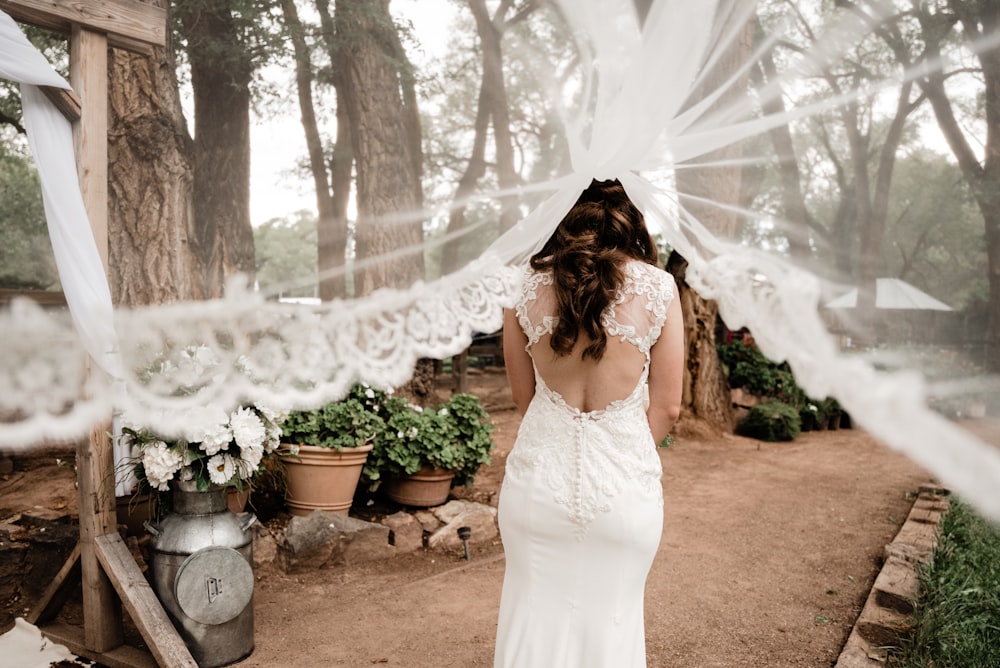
(586, 253)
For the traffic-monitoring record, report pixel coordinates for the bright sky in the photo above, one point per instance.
(277, 145)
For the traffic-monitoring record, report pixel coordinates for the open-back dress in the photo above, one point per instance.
(581, 506)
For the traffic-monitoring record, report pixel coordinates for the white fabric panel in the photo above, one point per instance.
(50, 136)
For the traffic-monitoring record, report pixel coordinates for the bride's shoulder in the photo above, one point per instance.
(649, 278)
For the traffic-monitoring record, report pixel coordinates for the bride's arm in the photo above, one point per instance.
(520, 372)
(666, 374)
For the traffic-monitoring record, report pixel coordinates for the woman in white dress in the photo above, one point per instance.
(581, 507)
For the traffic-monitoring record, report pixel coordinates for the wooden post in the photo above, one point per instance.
(102, 614)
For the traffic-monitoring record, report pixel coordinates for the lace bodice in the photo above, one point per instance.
(636, 314)
(586, 458)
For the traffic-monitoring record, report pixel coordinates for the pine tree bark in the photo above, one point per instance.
(220, 79)
(380, 101)
(376, 89)
(150, 182)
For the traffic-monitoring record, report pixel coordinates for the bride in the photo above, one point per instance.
(581, 507)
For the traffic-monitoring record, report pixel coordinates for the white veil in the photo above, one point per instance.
(626, 119)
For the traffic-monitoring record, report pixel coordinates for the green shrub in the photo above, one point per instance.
(771, 421)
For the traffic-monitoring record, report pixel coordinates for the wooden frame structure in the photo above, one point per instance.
(100, 563)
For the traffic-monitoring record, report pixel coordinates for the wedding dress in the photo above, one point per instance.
(581, 505)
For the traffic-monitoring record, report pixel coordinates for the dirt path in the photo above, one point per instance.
(767, 555)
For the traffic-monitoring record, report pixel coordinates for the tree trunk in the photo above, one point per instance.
(220, 79)
(376, 88)
(333, 233)
(331, 245)
(977, 18)
(706, 394)
(149, 182)
(492, 104)
(380, 102)
(796, 215)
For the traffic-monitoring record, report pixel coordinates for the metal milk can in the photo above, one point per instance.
(201, 561)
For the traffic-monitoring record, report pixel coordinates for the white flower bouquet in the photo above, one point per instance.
(215, 447)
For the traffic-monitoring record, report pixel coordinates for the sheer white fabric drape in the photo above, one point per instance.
(628, 115)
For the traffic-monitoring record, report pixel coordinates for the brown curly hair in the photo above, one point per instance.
(600, 233)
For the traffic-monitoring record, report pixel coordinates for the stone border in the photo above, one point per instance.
(887, 613)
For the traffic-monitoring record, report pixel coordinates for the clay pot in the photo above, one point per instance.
(427, 487)
(323, 478)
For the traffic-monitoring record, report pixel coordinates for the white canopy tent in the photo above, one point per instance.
(892, 294)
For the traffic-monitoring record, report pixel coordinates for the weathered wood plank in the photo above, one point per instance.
(102, 614)
(141, 603)
(123, 656)
(57, 593)
(128, 24)
(88, 57)
(66, 101)
(40, 297)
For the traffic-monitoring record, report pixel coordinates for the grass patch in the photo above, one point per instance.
(958, 618)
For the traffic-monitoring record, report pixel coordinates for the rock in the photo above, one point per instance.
(324, 539)
(405, 532)
(428, 520)
(265, 547)
(479, 517)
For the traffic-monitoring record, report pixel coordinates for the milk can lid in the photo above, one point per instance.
(214, 585)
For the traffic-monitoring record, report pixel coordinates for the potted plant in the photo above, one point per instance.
(329, 447)
(213, 448)
(422, 453)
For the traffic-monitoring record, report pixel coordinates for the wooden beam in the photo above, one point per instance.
(40, 297)
(57, 593)
(124, 656)
(102, 612)
(88, 57)
(127, 24)
(66, 101)
(142, 605)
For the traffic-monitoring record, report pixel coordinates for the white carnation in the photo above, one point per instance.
(209, 427)
(250, 459)
(221, 468)
(160, 464)
(248, 430)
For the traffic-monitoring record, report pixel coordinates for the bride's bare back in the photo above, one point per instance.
(588, 384)
(643, 326)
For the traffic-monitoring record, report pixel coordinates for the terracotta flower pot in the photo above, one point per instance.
(323, 478)
(427, 487)
(237, 500)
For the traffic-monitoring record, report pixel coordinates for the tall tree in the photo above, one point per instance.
(328, 180)
(796, 218)
(151, 221)
(378, 94)
(492, 105)
(706, 396)
(939, 22)
(221, 71)
(375, 86)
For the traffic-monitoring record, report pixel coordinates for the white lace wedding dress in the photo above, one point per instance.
(581, 506)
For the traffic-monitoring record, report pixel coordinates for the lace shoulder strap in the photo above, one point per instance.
(532, 311)
(640, 308)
